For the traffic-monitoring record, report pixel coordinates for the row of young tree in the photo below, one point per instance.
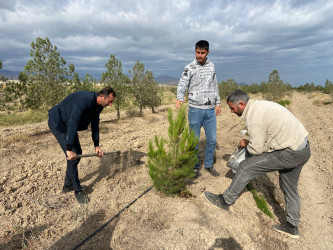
(274, 89)
(46, 80)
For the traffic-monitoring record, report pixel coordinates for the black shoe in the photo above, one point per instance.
(71, 188)
(288, 229)
(212, 171)
(81, 198)
(217, 200)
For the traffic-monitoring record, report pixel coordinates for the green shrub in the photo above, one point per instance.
(171, 168)
(284, 102)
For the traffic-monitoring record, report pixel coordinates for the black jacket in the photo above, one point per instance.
(74, 114)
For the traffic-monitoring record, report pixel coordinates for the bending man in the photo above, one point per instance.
(73, 114)
(278, 142)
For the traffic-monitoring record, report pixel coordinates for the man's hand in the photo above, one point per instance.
(71, 155)
(178, 104)
(243, 143)
(99, 151)
(218, 110)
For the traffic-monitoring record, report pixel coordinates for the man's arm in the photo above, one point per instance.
(71, 155)
(218, 110)
(73, 125)
(178, 104)
(256, 142)
(183, 86)
(244, 142)
(99, 151)
(218, 99)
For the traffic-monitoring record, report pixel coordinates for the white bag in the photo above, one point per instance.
(237, 157)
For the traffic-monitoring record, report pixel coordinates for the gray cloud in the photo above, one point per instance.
(249, 39)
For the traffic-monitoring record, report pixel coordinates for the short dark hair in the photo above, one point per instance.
(107, 91)
(238, 95)
(202, 44)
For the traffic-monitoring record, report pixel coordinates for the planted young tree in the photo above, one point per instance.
(171, 162)
(115, 78)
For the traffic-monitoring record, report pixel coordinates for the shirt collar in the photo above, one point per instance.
(207, 61)
(246, 110)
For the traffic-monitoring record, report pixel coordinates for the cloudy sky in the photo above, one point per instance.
(248, 38)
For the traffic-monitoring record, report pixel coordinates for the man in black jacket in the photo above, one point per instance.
(73, 114)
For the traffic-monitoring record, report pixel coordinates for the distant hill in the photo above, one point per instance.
(168, 80)
(241, 84)
(11, 75)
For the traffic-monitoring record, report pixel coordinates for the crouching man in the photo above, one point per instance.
(278, 142)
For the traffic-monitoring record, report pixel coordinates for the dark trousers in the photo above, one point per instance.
(72, 176)
(289, 165)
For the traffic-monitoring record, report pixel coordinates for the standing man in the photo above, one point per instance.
(278, 142)
(73, 114)
(199, 79)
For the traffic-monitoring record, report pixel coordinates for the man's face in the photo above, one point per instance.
(201, 55)
(238, 110)
(106, 101)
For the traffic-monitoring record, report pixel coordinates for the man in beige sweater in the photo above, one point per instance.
(277, 142)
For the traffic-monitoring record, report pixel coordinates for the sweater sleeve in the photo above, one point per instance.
(257, 133)
(218, 100)
(183, 84)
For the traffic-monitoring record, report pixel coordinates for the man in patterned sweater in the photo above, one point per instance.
(199, 79)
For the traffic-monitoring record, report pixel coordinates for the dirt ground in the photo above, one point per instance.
(35, 214)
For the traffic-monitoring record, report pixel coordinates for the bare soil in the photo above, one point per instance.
(35, 214)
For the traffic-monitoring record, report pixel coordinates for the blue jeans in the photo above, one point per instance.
(289, 165)
(206, 118)
(72, 176)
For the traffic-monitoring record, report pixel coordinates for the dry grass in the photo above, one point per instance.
(9, 140)
(320, 99)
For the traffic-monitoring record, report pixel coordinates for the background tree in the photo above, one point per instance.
(253, 88)
(138, 85)
(2, 78)
(47, 78)
(227, 87)
(275, 88)
(328, 89)
(115, 78)
(2, 94)
(86, 84)
(171, 168)
(153, 93)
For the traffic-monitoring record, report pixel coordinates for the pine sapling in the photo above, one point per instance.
(171, 161)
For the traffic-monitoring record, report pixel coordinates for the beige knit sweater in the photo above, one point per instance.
(271, 127)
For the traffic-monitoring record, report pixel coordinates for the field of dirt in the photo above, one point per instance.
(35, 214)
